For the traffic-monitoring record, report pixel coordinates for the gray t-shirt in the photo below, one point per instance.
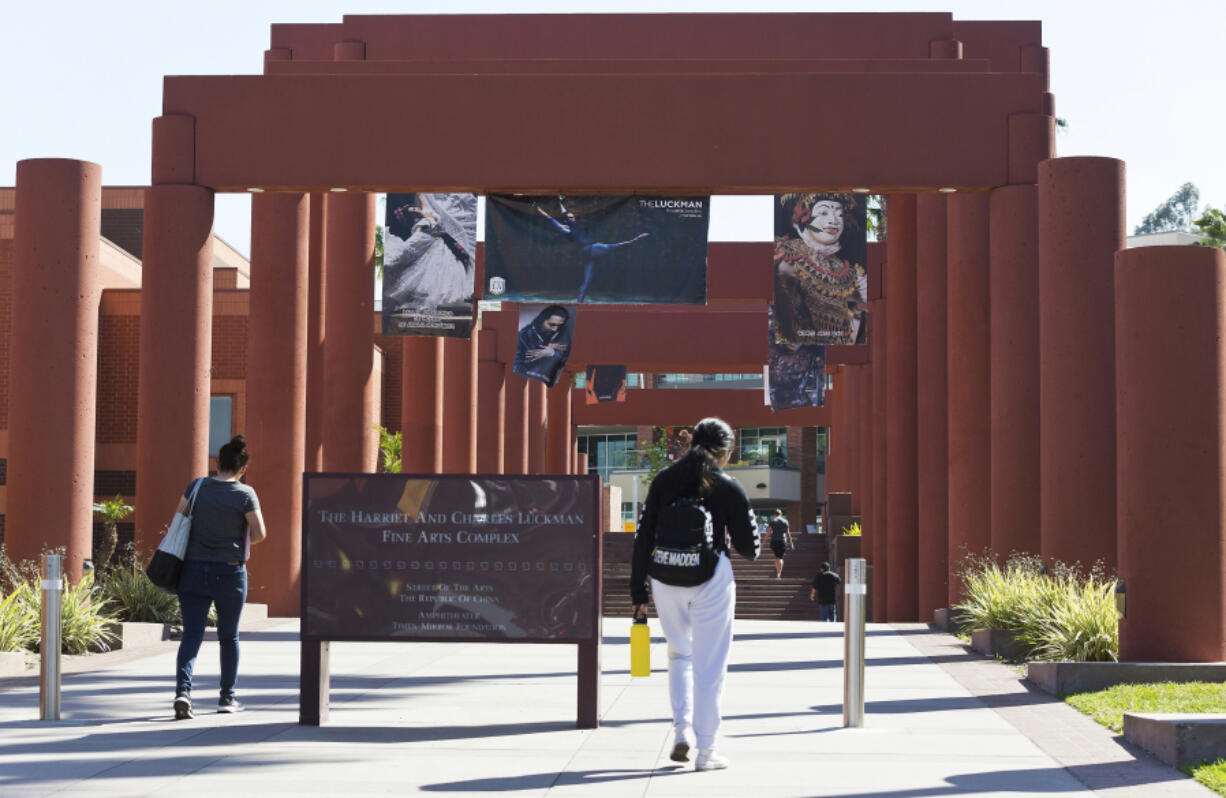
(219, 523)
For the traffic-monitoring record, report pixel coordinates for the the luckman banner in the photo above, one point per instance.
(429, 255)
(597, 249)
(821, 288)
(389, 556)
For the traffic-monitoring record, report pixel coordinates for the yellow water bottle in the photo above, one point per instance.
(640, 647)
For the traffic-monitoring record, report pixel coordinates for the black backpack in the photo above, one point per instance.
(685, 553)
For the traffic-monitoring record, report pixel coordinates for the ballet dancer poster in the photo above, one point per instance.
(614, 249)
(546, 333)
(429, 254)
(821, 287)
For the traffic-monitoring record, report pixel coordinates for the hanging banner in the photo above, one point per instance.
(796, 374)
(616, 249)
(429, 255)
(821, 286)
(605, 384)
(546, 333)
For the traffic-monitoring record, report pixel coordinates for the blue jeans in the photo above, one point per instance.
(201, 584)
(827, 612)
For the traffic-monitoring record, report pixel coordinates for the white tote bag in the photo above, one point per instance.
(175, 541)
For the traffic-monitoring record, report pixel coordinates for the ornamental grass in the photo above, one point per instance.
(1059, 613)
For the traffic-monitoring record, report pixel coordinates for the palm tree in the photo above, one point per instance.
(112, 511)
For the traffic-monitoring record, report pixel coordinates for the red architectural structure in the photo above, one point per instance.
(1004, 291)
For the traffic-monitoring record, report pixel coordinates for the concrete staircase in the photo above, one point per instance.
(759, 595)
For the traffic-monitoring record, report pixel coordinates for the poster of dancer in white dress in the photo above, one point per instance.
(429, 255)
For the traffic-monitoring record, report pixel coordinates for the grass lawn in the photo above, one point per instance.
(1108, 708)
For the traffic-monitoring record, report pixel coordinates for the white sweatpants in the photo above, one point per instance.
(697, 623)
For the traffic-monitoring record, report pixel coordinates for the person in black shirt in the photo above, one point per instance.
(826, 590)
(697, 621)
(781, 540)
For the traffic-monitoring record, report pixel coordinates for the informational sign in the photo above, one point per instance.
(631, 249)
(473, 558)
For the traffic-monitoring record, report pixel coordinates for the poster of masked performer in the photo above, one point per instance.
(429, 254)
(619, 249)
(605, 384)
(821, 287)
(796, 374)
(546, 333)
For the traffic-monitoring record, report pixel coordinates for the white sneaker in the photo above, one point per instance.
(710, 759)
(681, 743)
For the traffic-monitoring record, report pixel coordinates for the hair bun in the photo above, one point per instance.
(238, 442)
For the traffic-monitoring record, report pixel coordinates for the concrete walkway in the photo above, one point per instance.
(465, 719)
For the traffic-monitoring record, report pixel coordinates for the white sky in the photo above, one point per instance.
(83, 80)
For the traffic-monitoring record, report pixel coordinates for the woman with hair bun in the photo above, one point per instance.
(226, 520)
(697, 619)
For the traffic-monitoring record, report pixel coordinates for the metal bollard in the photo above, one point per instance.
(49, 647)
(855, 588)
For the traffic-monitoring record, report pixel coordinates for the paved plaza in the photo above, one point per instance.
(467, 719)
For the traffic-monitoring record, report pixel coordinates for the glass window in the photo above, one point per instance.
(763, 446)
(607, 453)
(221, 420)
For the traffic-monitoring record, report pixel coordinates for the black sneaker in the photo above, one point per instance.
(229, 704)
(183, 708)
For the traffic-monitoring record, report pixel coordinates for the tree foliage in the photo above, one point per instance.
(1212, 226)
(1176, 214)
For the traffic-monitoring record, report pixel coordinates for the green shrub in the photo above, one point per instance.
(1084, 627)
(84, 620)
(131, 597)
(999, 597)
(18, 620)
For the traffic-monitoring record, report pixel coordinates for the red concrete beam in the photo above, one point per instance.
(555, 66)
(684, 406)
(654, 132)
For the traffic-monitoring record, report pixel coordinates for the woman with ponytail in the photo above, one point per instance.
(697, 620)
(226, 520)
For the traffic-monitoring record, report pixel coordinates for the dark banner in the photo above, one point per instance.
(429, 256)
(542, 348)
(796, 375)
(597, 249)
(605, 384)
(821, 286)
(389, 556)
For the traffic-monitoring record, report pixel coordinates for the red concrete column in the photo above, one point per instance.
(491, 406)
(515, 457)
(931, 408)
(1014, 344)
(836, 455)
(581, 466)
(1081, 226)
(420, 413)
(851, 408)
(317, 276)
(865, 435)
(558, 451)
(877, 535)
(53, 371)
(349, 345)
(901, 532)
(969, 389)
(176, 323)
(471, 454)
(457, 389)
(277, 391)
(1172, 451)
(537, 418)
